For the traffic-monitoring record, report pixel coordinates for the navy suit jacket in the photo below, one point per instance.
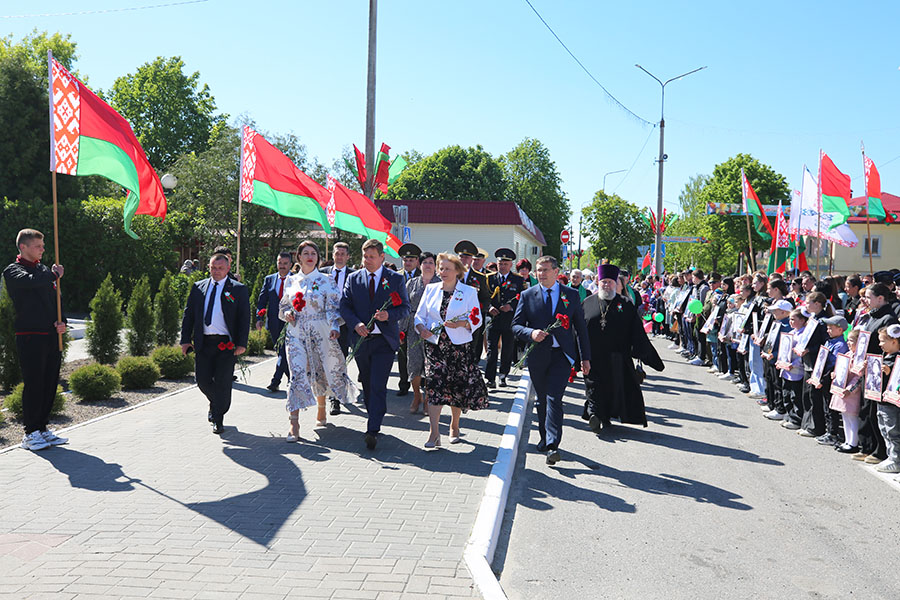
(357, 308)
(330, 272)
(236, 312)
(530, 315)
(268, 299)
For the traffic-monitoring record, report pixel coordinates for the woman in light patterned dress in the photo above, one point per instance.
(311, 340)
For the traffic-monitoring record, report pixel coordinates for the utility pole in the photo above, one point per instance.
(370, 104)
(580, 217)
(662, 158)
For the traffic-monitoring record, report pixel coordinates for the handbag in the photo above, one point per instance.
(639, 373)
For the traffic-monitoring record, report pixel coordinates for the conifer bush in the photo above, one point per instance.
(13, 402)
(137, 372)
(141, 332)
(104, 344)
(256, 342)
(172, 363)
(95, 382)
(10, 373)
(167, 312)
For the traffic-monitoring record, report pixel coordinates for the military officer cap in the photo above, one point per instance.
(505, 254)
(409, 251)
(883, 277)
(481, 253)
(465, 248)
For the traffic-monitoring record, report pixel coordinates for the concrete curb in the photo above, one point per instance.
(132, 407)
(482, 542)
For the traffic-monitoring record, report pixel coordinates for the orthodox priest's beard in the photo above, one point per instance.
(606, 294)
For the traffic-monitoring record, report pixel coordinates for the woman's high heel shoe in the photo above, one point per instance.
(291, 438)
(436, 443)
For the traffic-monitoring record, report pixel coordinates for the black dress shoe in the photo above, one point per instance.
(491, 384)
(553, 457)
(371, 441)
(218, 428)
(402, 392)
(595, 423)
(272, 387)
(502, 381)
(541, 448)
(335, 407)
(209, 418)
(584, 413)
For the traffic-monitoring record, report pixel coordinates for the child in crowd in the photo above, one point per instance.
(781, 312)
(888, 413)
(793, 377)
(846, 401)
(835, 326)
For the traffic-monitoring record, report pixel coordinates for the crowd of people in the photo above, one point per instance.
(817, 355)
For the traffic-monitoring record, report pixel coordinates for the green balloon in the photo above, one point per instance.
(647, 317)
(695, 306)
(658, 317)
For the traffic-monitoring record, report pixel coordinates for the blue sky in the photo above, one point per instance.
(783, 79)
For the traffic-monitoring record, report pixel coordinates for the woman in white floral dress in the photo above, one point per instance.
(309, 304)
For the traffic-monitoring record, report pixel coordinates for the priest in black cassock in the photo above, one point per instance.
(616, 336)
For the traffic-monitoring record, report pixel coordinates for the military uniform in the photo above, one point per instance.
(506, 293)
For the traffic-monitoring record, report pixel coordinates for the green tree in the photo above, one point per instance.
(140, 334)
(533, 183)
(105, 324)
(166, 313)
(615, 229)
(453, 173)
(171, 112)
(10, 373)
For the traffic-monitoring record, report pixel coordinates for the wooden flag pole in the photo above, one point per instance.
(238, 263)
(751, 259)
(868, 227)
(56, 257)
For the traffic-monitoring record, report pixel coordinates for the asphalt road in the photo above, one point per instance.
(710, 501)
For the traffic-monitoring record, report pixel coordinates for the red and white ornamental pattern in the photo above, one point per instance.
(248, 164)
(330, 207)
(66, 108)
(783, 237)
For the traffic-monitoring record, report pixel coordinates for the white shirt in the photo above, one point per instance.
(377, 283)
(217, 326)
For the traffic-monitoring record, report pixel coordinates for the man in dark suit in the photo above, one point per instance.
(507, 286)
(410, 254)
(269, 297)
(366, 292)
(216, 325)
(467, 251)
(553, 356)
(339, 272)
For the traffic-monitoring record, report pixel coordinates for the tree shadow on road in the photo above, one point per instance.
(672, 390)
(662, 416)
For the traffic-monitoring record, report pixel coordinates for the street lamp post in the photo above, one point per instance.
(662, 158)
(611, 173)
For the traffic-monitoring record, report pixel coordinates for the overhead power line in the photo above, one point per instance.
(102, 11)
(583, 68)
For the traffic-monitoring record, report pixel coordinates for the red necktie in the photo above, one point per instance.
(280, 288)
(371, 286)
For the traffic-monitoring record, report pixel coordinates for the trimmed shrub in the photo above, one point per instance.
(13, 402)
(104, 344)
(167, 312)
(137, 372)
(10, 373)
(172, 363)
(95, 382)
(141, 331)
(254, 294)
(256, 342)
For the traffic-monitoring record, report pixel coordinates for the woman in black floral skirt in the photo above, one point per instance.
(445, 319)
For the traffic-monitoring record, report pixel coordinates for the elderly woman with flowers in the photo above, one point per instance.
(309, 305)
(445, 319)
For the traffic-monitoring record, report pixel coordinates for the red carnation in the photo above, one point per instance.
(517, 296)
(396, 300)
(229, 346)
(402, 336)
(572, 375)
(476, 311)
(563, 320)
(473, 316)
(223, 346)
(261, 313)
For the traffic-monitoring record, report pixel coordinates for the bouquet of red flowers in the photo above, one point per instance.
(561, 321)
(393, 300)
(261, 314)
(297, 304)
(472, 317)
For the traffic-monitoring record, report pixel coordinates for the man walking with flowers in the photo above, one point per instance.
(216, 325)
(549, 316)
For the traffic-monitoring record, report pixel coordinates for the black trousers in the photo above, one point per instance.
(214, 370)
(870, 439)
(813, 408)
(793, 400)
(500, 332)
(40, 359)
(402, 358)
(477, 344)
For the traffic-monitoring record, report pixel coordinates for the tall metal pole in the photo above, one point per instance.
(662, 157)
(579, 240)
(370, 104)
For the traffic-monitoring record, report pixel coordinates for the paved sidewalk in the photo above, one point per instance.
(149, 503)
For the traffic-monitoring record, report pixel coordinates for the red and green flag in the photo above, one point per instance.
(753, 207)
(355, 213)
(382, 168)
(645, 264)
(874, 207)
(834, 191)
(397, 166)
(779, 253)
(270, 179)
(88, 137)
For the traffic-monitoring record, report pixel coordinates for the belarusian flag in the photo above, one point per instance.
(355, 213)
(780, 251)
(361, 174)
(874, 207)
(382, 168)
(834, 191)
(753, 207)
(270, 179)
(645, 264)
(397, 166)
(88, 137)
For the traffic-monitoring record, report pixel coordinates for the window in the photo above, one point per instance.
(517, 248)
(534, 251)
(875, 243)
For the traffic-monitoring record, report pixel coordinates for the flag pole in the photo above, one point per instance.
(868, 227)
(819, 218)
(56, 256)
(241, 168)
(751, 262)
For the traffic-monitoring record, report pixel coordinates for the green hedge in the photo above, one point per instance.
(95, 382)
(13, 402)
(172, 363)
(137, 372)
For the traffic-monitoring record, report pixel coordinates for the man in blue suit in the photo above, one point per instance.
(269, 297)
(551, 361)
(216, 325)
(366, 291)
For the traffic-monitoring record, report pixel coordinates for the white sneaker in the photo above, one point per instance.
(35, 441)
(53, 439)
(774, 415)
(887, 466)
(712, 369)
(696, 362)
(672, 346)
(757, 395)
(725, 376)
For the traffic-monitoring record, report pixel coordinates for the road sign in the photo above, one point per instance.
(564, 236)
(564, 251)
(407, 235)
(662, 250)
(401, 214)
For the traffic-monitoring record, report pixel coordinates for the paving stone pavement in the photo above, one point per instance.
(150, 504)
